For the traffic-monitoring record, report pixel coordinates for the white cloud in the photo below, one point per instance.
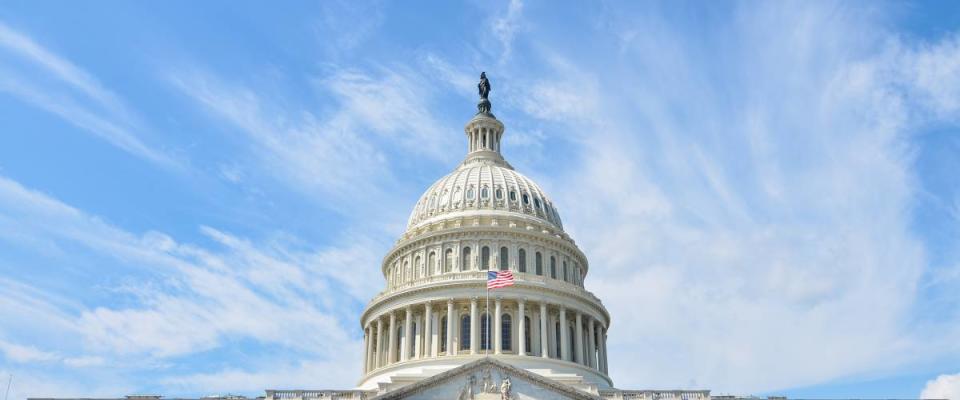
(193, 299)
(505, 27)
(25, 354)
(758, 238)
(105, 116)
(943, 387)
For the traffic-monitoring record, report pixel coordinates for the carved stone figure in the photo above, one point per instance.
(505, 389)
(488, 385)
(466, 392)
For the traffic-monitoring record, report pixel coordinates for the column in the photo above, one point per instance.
(474, 326)
(591, 344)
(544, 343)
(603, 349)
(407, 332)
(379, 350)
(564, 340)
(521, 337)
(497, 328)
(392, 345)
(366, 348)
(450, 327)
(429, 349)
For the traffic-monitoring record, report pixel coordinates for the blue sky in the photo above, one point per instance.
(195, 197)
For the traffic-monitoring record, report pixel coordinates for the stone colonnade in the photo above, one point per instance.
(504, 326)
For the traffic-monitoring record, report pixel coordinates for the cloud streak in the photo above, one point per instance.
(71, 93)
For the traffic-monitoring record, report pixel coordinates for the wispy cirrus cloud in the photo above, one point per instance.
(183, 299)
(749, 224)
(64, 89)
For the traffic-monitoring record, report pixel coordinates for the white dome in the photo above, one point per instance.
(484, 184)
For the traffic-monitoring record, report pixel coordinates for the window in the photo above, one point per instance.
(553, 267)
(536, 202)
(526, 334)
(526, 199)
(572, 340)
(406, 271)
(470, 194)
(504, 258)
(465, 332)
(558, 354)
(443, 334)
(465, 263)
(484, 193)
(506, 325)
(457, 195)
(485, 332)
(431, 263)
(399, 342)
(565, 272)
(499, 194)
(416, 267)
(539, 265)
(411, 341)
(448, 262)
(513, 195)
(485, 258)
(522, 255)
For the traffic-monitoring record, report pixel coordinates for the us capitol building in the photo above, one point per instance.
(432, 333)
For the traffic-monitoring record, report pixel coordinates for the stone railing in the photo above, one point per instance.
(655, 394)
(318, 394)
(528, 278)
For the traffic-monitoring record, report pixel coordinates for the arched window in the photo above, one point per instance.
(506, 328)
(526, 334)
(485, 258)
(539, 263)
(443, 334)
(553, 267)
(431, 263)
(484, 193)
(536, 202)
(465, 332)
(465, 263)
(526, 199)
(504, 258)
(406, 271)
(513, 195)
(485, 332)
(522, 260)
(499, 194)
(448, 262)
(565, 271)
(416, 267)
(470, 194)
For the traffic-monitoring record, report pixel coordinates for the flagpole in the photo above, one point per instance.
(487, 350)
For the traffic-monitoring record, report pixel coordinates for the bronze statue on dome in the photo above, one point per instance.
(483, 107)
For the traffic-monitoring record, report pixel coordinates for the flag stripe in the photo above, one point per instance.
(499, 279)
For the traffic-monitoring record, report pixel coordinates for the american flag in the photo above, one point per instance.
(499, 279)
